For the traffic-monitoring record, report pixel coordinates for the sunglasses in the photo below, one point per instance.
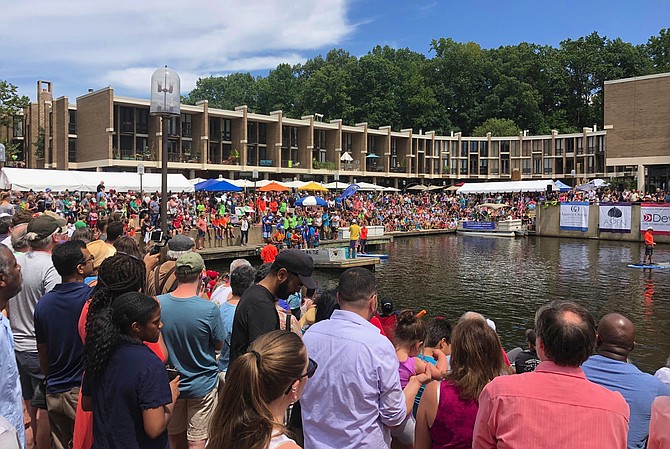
(311, 369)
(90, 258)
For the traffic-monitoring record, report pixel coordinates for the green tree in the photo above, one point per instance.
(658, 51)
(226, 92)
(278, 91)
(498, 127)
(11, 103)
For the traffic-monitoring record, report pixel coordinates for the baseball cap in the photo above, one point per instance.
(42, 227)
(387, 305)
(298, 263)
(650, 228)
(100, 251)
(79, 224)
(190, 263)
(180, 242)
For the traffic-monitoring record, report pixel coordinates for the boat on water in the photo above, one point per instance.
(503, 228)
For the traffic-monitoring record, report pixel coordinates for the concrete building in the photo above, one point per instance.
(637, 120)
(105, 132)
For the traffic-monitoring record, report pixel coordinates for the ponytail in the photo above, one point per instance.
(409, 329)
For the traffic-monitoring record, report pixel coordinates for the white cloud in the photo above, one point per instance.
(120, 42)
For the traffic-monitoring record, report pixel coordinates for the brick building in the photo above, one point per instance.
(106, 132)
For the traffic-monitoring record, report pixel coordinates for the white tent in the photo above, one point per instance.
(25, 179)
(346, 157)
(539, 185)
(366, 186)
(336, 185)
(391, 189)
(194, 181)
(294, 184)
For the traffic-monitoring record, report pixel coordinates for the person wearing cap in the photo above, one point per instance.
(100, 251)
(193, 332)
(162, 279)
(527, 360)
(256, 313)
(43, 234)
(648, 245)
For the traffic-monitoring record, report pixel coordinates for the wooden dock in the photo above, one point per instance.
(365, 262)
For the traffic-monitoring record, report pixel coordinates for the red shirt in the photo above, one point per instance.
(268, 253)
(648, 238)
(364, 233)
(554, 406)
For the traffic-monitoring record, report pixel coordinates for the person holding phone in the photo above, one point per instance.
(125, 384)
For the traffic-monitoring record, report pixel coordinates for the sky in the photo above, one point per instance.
(82, 44)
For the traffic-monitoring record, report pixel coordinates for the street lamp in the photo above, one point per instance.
(254, 175)
(140, 171)
(165, 103)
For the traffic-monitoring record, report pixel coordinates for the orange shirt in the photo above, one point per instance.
(648, 238)
(269, 253)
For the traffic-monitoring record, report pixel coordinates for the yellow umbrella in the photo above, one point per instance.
(313, 187)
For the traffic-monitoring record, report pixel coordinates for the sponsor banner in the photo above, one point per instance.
(615, 217)
(575, 216)
(655, 215)
(484, 225)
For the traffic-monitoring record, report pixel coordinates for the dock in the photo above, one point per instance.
(365, 262)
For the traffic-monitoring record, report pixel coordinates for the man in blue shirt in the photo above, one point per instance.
(609, 368)
(11, 405)
(193, 332)
(58, 344)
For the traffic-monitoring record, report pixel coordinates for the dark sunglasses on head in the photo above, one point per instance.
(311, 369)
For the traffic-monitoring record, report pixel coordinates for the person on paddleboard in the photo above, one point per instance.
(648, 244)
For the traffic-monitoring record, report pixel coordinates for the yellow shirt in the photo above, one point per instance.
(354, 231)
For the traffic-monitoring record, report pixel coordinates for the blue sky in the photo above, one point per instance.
(81, 44)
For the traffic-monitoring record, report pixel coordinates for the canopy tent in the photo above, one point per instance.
(435, 187)
(264, 182)
(372, 156)
(313, 187)
(366, 186)
(294, 184)
(223, 186)
(391, 189)
(418, 187)
(592, 185)
(25, 179)
(203, 185)
(539, 185)
(452, 188)
(195, 181)
(336, 185)
(273, 187)
(244, 183)
(311, 201)
(563, 187)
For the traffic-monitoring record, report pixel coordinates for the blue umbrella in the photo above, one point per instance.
(349, 191)
(204, 184)
(223, 186)
(311, 201)
(563, 187)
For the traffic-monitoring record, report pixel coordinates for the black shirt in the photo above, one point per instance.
(255, 315)
(526, 361)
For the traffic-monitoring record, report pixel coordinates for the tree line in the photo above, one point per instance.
(462, 87)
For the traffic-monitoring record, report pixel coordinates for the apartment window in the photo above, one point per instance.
(215, 129)
(142, 121)
(126, 116)
(141, 145)
(348, 141)
(454, 148)
(372, 147)
(483, 167)
(494, 167)
(559, 167)
(18, 126)
(537, 165)
(51, 124)
(186, 125)
(187, 151)
(173, 126)
(227, 134)
(474, 147)
(72, 122)
(394, 153)
(464, 166)
(126, 147)
(294, 137)
(590, 168)
(504, 146)
(537, 146)
(525, 166)
(526, 148)
(580, 146)
(252, 133)
(72, 150)
(559, 147)
(262, 133)
(570, 145)
(173, 150)
(601, 144)
(504, 164)
(464, 149)
(548, 162)
(484, 148)
(591, 145)
(495, 149)
(437, 148)
(473, 162)
(214, 153)
(546, 147)
(514, 148)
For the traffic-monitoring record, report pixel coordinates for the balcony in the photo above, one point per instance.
(324, 165)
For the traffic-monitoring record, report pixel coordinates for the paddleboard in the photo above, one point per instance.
(379, 256)
(648, 266)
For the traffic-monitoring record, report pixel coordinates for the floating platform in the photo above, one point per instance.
(646, 266)
(365, 262)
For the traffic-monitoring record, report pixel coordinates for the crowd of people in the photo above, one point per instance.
(106, 344)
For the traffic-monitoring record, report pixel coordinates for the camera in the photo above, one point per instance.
(160, 240)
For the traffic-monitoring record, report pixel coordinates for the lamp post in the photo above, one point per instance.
(3, 155)
(336, 177)
(254, 175)
(165, 103)
(140, 171)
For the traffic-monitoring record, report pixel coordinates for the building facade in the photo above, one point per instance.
(637, 119)
(105, 132)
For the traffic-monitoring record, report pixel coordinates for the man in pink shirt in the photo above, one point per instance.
(555, 406)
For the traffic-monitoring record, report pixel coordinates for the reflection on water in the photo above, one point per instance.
(508, 279)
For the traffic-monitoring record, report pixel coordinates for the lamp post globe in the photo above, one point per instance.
(165, 103)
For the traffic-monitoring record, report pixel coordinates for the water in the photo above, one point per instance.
(508, 279)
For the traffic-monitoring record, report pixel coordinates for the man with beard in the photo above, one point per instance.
(256, 314)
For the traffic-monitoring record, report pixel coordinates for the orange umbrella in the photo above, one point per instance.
(273, 187)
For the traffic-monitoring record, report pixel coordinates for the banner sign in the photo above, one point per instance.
(575, 216)
(488, 225)
(615, 217)
(657, 216)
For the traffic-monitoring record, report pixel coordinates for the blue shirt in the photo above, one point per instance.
(11, 404)
(191, 328)
(134, 380)
(355, 394)
(56, 320)
(637, 388)
(227, 311)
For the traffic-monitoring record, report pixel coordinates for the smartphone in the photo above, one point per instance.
(156, 236)
(172, 373)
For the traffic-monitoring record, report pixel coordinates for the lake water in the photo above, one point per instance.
(508, 279)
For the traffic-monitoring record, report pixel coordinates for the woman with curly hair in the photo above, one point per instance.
(447, 411)
(260, 385)
(125, 384)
